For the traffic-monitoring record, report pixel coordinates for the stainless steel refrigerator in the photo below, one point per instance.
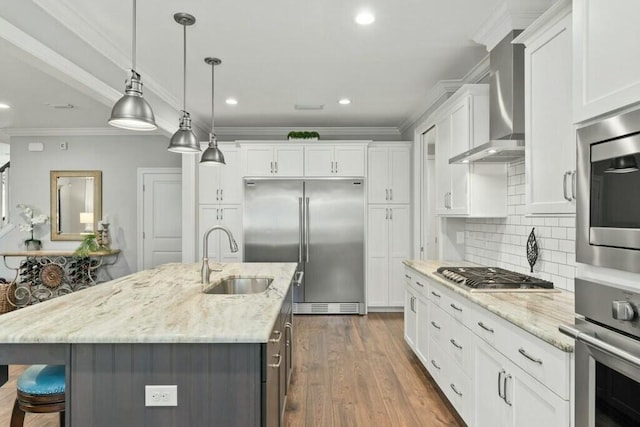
(320, 225)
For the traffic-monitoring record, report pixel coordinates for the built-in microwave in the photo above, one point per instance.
(608, 193)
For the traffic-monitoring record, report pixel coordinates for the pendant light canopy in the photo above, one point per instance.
(184, 140)
(212, 155)
(132, 111)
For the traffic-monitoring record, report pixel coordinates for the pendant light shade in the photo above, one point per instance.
(184, 140)
(212, 155)
(132, 111)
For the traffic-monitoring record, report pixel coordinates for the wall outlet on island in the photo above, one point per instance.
(161, 395)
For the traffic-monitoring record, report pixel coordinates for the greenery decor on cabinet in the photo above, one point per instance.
(89, 244)
(303, 135)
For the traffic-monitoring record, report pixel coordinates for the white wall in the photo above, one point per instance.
(118, 157)
(502, 241)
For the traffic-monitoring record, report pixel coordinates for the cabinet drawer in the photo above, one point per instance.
(417, 281)
(436, 364)
(454, 305)
(460, 346)
(489, 328)
(458, 388)
(438, 325)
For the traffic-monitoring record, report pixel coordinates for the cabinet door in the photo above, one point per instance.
(410, 317)
(209, 184)
(606, 56)
(491, 409)
(460, 142)
(230, 177)
(378, 256)
(378, 176)
(258, 161)
(400, 174)
(289, 160)
(399, 250)
(422, 333)
(443, 169)
(318, 161)
(349, 161)
(550, 140)
(230, 217)
(208, 216)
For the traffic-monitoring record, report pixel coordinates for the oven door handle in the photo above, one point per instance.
(600, 345)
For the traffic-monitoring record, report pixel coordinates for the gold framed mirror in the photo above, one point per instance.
(76, 204)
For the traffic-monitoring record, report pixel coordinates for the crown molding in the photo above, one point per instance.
(281, 131)
(554, 14)
(478, 72)
(508, 16)
(106, 131)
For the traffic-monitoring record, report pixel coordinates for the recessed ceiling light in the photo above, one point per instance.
(344, 101)
(492, 151)
(231, 101)
(365, 18)
(4, 106)
(465, 161)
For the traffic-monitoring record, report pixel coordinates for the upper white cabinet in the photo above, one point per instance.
(606, 56)
(550, 137)
(229, 216)
(470, 190)
(273, 160)
(323, 160)
(389, 178)
(221, 184)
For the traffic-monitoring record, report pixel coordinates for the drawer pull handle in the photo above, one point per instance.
(528, 356)
(433, 362)
(455, 344)
(435, 325)
(506, 378)
(500, 374)
(407, 276)
(276, 365)
(486, 328)
(276, 339)
(419, 284)
(455, 390)
(435, 294)
(455, 307)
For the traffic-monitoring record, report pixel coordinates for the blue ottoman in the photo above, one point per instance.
(40, 390)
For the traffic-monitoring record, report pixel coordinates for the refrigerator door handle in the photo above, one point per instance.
(300, 228)
(306, 229)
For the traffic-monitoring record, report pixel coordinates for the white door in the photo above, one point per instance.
(318, 161)
(230, 177)
(378, 257)
(230, 217)
(378, 179)
(349, 161)
(208, 216)
(491, 409)
(443, 169)
(422, 326)
(400, 175)
(161, 217)
(258, 161)
(289, 160)
(460, 142)
(399, 250)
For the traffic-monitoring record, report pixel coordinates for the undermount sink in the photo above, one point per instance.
(240, 285)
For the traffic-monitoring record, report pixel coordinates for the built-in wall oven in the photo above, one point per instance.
(607, 355)
(608, 190)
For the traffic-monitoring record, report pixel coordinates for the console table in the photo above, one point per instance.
(43, 275)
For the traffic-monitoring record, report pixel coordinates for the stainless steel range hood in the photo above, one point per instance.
(506, 107)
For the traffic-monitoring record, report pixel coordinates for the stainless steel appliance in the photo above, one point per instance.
(320, 225)
(608, 197)
(494, 279)
(607, 355)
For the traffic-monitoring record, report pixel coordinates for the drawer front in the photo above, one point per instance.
(436, 364)
(438, 325)
(460, 346)
(489, 328)
(458, 388)
(417, 281)
(456, 305)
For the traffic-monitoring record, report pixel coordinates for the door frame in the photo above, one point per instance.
(141, 173)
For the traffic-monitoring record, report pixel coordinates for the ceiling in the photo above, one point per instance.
(274, 55)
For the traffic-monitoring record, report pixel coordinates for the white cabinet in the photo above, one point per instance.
(470, 190)
(606, 56)
(389, 178)
(411, 318)
(549, 133)
(221, 183)
(388, 244)
(229, 216)
(322, 160)
(273, 160)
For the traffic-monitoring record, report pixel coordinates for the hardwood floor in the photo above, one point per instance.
(348, 371)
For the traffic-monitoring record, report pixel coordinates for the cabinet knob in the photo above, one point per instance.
(622, 310)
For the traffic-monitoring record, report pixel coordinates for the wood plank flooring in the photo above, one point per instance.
(348, 371)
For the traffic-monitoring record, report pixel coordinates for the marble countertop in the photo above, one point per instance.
(537, 313)
(161, 305)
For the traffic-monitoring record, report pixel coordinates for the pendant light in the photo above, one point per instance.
(132, 111)
(184, 140)
(212, 155)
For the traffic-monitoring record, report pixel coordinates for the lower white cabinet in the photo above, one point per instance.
(388, 244)
(229, 216)
(492, 372)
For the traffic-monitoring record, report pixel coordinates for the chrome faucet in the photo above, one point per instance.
(206, 270)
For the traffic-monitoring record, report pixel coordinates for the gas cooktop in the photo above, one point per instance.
(494, 279)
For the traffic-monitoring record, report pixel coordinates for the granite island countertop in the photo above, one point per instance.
(537, 313)
(165, 304)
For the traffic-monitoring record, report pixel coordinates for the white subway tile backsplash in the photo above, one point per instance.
(502, 241)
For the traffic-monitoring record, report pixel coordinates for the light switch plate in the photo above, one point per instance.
(161, 395)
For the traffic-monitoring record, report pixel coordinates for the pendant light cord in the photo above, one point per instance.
(213, 66)
(184, 69)
(133, 39)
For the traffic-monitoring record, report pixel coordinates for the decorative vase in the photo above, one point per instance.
(33, 244)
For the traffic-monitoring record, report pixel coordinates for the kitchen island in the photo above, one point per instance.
(159, 327)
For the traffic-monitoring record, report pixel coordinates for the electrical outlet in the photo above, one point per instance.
(64, 145)
(460, 237)
(161, 395)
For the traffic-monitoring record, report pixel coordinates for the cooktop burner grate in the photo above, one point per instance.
(492, 278)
